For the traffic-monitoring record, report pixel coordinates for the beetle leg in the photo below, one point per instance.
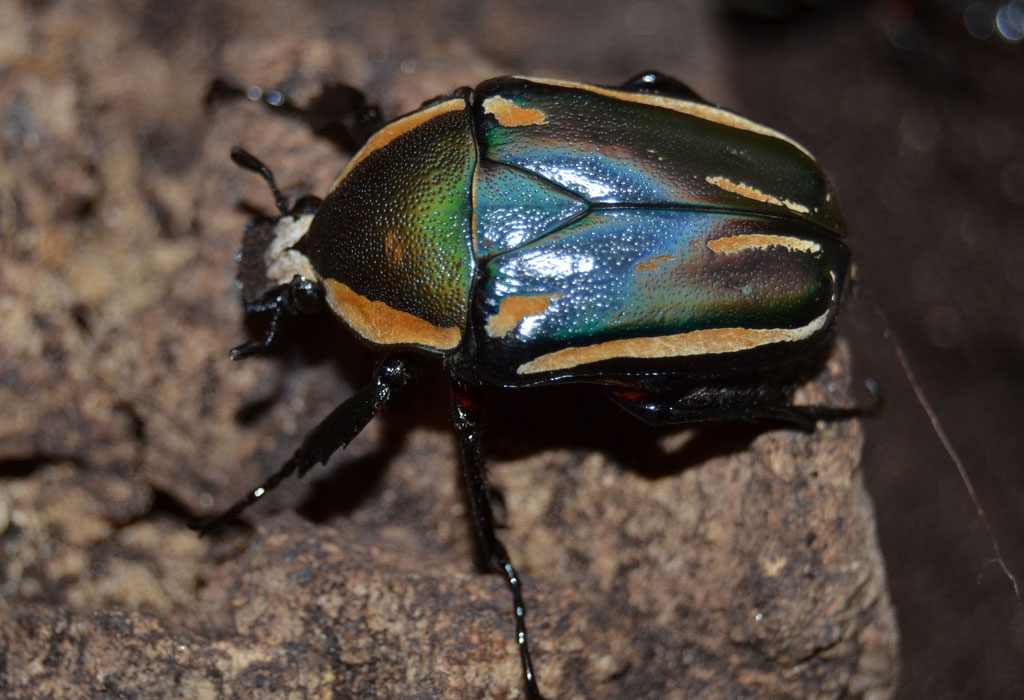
(260, 345)
(660, 84)
(466, 419)
(340, 113)
(334, 432)
(298, 296)
(725, 403)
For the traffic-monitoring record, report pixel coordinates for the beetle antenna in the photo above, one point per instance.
(244, 159)
(947, 444)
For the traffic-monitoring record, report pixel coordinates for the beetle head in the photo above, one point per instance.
(269, 256)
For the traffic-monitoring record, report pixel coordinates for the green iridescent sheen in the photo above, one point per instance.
(397, 227)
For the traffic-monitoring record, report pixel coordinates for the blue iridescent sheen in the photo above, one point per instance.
(615, 151)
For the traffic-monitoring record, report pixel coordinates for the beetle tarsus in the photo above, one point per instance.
(807, 416)
(340, 113)
(466, 419)
(334, 432)
(257, 347)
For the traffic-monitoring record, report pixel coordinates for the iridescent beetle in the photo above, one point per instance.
(533, 232)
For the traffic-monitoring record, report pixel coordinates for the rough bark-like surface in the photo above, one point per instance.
(712, 563)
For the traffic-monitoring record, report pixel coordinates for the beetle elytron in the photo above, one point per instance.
(533, 232)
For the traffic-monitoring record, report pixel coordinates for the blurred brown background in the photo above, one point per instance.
(914, 109)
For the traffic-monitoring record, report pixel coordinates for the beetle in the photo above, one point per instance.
(531, 232)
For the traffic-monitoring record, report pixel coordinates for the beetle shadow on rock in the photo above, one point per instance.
(343, 485)
(525, 421)
(528, 421)
(518, 423)
(315, 357)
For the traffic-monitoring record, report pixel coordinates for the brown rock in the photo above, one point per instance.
(716, 562)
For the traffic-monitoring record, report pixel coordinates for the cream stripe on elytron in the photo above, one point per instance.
(704, 342)
(749, 192)
(694, 109)
(747, 241)
(392, 131)
(383, 325)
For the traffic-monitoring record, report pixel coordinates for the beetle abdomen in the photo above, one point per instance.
(392, 241)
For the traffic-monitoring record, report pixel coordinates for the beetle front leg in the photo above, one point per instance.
(466, 419)
(298, 296)
(334, 432)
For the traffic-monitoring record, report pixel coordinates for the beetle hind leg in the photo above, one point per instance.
(466, 419)
(725, 403)
(660, 84)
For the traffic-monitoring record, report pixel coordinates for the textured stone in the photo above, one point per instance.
(716, 563)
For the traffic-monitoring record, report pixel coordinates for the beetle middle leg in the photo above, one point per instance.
(466, 419)
(334, 432)
(340, 113)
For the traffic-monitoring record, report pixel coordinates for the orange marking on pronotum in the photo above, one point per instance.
(402, 126)
(383, 325)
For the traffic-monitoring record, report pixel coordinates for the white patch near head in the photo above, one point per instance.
(281, 261)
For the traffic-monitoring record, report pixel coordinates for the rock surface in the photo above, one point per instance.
(711, 563)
